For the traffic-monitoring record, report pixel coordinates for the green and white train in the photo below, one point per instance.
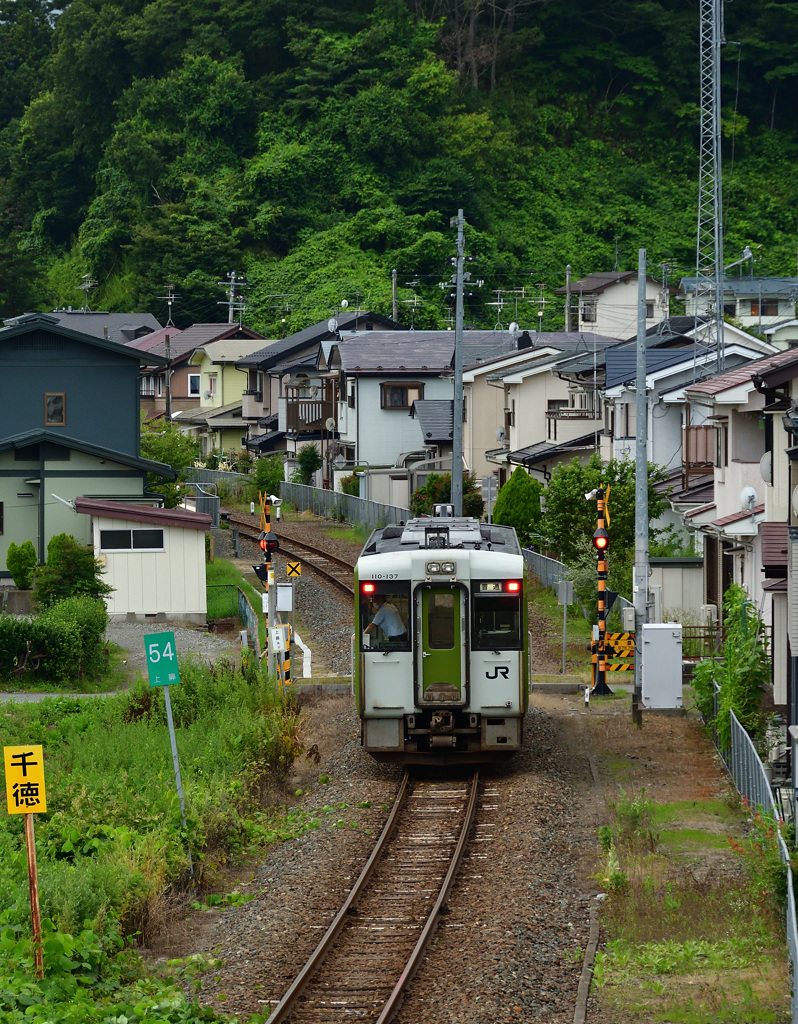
(441, 663)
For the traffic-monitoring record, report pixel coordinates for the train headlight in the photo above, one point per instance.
(441, 568)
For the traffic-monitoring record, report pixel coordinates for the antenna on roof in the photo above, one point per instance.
(169, 299)
(86, 287)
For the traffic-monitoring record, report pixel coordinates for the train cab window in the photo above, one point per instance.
(384, 613)
(497, 619)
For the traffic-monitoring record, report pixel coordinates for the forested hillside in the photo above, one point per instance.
(315, 146)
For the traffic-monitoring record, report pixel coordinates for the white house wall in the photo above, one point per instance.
(168, 583)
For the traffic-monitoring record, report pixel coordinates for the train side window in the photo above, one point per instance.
(497, 622)
(384, 616)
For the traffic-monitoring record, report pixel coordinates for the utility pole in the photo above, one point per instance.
(168, 379)
(457, 404)
(640, 581)
(568, 298)
(394, 296)
(233, 303)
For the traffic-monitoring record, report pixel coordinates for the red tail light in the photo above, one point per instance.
(514, 586)
(367, 588)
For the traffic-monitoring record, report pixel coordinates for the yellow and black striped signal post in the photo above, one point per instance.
(601, 543)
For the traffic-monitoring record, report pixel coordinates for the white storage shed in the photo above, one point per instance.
(154, 558)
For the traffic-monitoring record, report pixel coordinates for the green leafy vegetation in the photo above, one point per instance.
(162, 441)
(741, 671)
(21, 562)
(692, 946)
(320, 146)
(518, 505)
(71, 570)
(111, 848)
(437, 490)
(63, 644)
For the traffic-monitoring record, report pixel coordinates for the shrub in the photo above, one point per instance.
(438, 491)
(71, 570)
(518, 505)
(308, 462)
(87, 617)
(269, 474)
(21, 561)
(350, 485)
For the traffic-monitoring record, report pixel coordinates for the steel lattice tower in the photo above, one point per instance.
(709, 244)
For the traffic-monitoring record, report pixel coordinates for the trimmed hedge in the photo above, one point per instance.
(66, 642)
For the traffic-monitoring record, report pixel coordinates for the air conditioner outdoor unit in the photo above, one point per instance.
(709, 613)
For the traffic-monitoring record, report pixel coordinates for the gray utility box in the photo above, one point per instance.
(661, 652)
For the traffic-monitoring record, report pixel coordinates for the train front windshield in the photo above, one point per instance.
(497, 617)
(384, 611)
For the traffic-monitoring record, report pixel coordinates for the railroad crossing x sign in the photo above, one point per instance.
(25, 780)
(293, 569)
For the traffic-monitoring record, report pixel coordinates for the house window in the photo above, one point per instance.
(509, 415)
(212, 385)
(400, 396)
(721, 445)
(1, 517)
(589, 311)
(764, 308)
(350, 394)
(649, 310)
(194, 385)
(131, 540)
(55, 409)
(553, 407)
(729, 309)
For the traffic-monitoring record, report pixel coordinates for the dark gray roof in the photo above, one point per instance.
(308, 337)
(585, 363)
(543, 451)
(434, 416)
(121, 327)
(421, 352)
(31, 437)
(751, 287)
(622, 362)
(32, 322)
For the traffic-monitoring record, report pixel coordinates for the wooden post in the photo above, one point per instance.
(33, 881)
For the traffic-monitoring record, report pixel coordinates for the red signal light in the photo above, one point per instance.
(601, 540)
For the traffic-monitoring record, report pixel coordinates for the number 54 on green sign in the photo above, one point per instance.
(161, 659)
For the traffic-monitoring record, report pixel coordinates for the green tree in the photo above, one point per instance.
(437, 490)
(71, 570)
(269, 474)
(164, 442)
(308, 462)
(518, 505)
(569, 520)
(21, 562)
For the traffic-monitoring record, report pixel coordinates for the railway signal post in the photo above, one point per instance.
(268, 544)
(601, 543)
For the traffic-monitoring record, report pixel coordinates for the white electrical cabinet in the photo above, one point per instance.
(662, 665)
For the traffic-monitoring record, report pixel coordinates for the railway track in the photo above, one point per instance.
(370, 953)
(336, 570)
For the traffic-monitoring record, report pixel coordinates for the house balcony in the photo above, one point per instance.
(572, 414)
(256, 396)
(308, 415)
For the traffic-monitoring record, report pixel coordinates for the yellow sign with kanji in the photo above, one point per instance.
(293, 569)
(25, 779)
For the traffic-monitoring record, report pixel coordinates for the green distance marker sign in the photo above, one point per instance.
(161, 659)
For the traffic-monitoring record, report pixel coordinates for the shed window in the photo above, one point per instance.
(54, 409)
(131, 540)
(400, 396)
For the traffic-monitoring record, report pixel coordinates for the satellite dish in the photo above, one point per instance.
(766, 467)
(500, 434)
(332, 325)
(748, 498)
(514, 327)
(329, 423)
(344, 303)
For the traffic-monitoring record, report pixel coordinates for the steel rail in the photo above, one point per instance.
(287, 1003)
(396, 997)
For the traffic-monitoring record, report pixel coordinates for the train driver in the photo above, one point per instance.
(388, 619)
